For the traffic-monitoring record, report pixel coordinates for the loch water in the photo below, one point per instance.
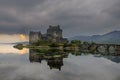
(33, 64)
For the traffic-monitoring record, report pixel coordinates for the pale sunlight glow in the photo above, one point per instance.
(8, 49)
(6, 38)
(23, 37)
(24, 51)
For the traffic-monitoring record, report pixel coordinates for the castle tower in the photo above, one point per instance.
(34, 36)
(54, 31)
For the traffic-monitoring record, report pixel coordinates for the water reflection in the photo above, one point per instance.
(115, 59)
(8, 48)
(54, 57)
(74, 65)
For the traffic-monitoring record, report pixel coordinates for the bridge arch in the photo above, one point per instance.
(111, 49)
(101, 49)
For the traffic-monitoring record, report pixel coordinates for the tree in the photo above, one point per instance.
(86, 43)
(78, 42)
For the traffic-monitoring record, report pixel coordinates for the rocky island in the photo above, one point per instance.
(53, 39)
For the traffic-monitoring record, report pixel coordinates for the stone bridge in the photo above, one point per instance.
(105, 49)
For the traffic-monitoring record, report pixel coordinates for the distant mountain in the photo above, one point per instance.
(112, 37)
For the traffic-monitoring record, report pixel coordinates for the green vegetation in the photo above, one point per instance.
(72, 45)
(78, 42)
(41, 43)
(54, 45)
(19, 46)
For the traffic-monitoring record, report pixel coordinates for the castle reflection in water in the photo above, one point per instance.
(54, 57)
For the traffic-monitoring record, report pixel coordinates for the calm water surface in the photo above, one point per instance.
(21, 65)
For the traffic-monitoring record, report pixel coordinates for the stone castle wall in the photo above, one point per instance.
(54, 34)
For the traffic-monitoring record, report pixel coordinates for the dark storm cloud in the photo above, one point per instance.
(76, 17)
(25, 4)
(114, 10)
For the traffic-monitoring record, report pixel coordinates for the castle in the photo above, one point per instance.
(54, 34)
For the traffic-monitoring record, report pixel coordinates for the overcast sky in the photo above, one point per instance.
(76, 17)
